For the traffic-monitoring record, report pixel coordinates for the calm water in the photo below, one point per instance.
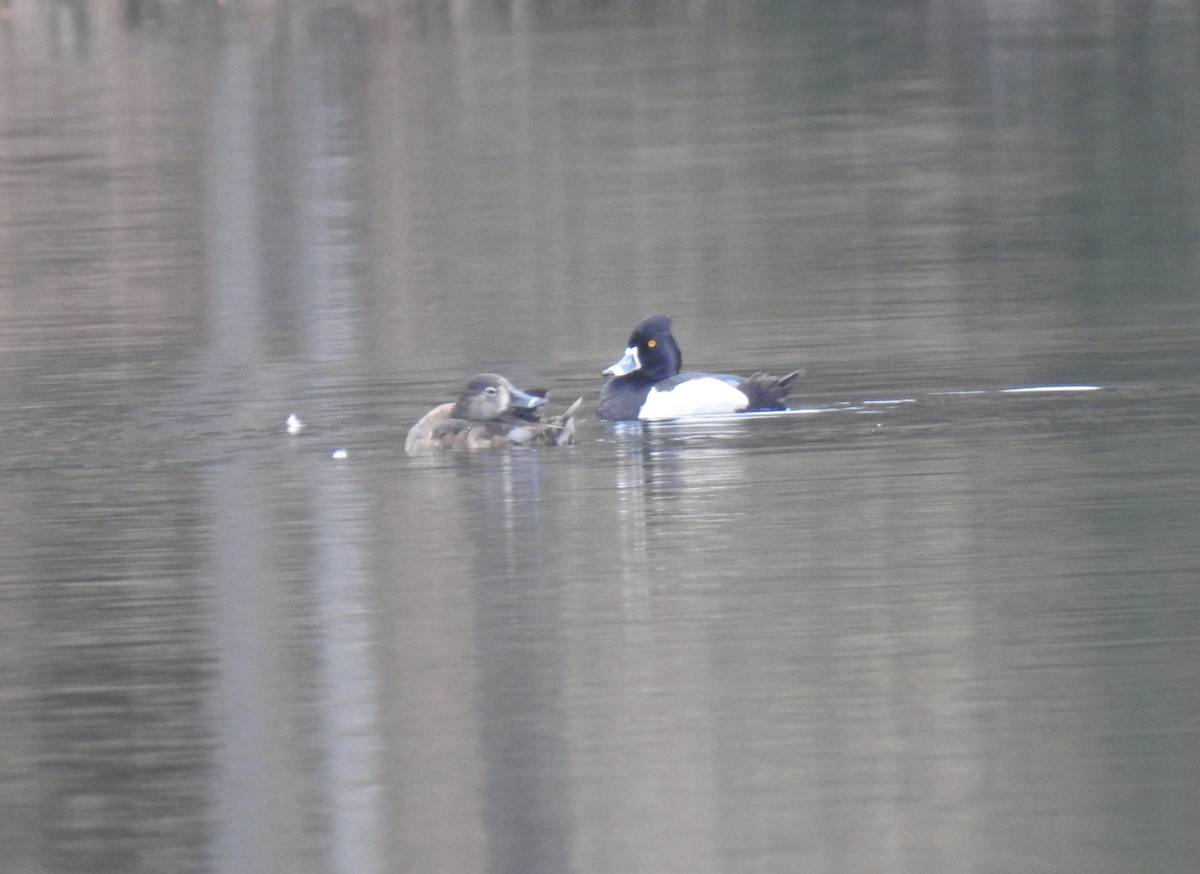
(921, 624)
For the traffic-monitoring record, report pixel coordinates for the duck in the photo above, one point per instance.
(647, 383)
(491, 413)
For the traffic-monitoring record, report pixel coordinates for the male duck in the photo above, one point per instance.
(490, 413)
(647, 383)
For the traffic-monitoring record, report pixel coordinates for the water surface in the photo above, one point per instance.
(920, 623)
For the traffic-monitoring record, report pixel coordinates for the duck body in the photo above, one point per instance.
(491, 413)
(647, 383)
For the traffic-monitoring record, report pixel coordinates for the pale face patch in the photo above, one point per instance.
(628, 363)
(696, 397)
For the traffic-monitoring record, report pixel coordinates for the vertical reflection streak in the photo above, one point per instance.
(349, 684)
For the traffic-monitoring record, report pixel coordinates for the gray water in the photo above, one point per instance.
(920, 624)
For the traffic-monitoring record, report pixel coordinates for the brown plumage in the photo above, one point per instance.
(491, 413)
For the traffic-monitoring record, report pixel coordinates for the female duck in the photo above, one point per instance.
(647, 383)
(490, 413)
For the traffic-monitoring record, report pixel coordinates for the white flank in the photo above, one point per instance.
(696, 397)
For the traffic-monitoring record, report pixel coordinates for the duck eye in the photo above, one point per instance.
(490, 390)
(650, 344)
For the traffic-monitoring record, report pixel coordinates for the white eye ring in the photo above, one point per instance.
(490, 390)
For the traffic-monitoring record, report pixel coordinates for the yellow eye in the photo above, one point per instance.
(651, 343)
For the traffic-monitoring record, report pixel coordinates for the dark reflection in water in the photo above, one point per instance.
(918, 623)
(517, 601)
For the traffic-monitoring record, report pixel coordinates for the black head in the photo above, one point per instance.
(652, 352)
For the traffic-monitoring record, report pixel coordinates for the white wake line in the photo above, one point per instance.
(1032, 389)
(753, 414)
(852, 407)
(1024, 389)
